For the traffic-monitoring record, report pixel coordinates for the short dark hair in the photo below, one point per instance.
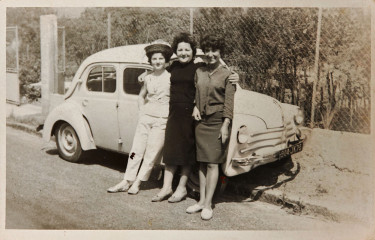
(165, 55)
(184, 37)
(212, 41)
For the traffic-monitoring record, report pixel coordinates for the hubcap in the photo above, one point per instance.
(68, 140)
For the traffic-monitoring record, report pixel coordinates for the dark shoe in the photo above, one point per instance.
(174, 199)
(159, 198)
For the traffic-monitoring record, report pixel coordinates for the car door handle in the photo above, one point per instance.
(85, 102)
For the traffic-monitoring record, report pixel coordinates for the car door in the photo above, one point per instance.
(100, 102)
(128, 103)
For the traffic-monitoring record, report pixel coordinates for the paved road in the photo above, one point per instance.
(46, 192)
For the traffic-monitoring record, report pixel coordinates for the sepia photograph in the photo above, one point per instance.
(208, 120)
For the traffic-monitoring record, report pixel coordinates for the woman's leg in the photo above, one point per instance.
(202, 190)
(167, 183)
(202, 183)
(181, 188)
(135, 156)
(211, 178)
(155, 143)
(138, 149)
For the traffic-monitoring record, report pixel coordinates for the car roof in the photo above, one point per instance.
(126, 54)
(130, 53)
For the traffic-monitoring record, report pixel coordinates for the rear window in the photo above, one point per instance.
(131, 84)
(102, 79)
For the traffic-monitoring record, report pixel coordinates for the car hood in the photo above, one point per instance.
(259, 105)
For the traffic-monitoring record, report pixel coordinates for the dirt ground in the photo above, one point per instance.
(342, 167)
(334, 173)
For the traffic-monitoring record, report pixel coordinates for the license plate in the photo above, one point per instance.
(291, 150)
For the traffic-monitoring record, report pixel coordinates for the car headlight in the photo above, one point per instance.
(299, 117)
(243, 134)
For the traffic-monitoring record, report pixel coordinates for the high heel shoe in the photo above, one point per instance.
(174, 198)
(159, 198)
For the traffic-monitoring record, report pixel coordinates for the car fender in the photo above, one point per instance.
(259, 120)
(69, 112)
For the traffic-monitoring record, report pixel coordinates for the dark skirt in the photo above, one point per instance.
(209, 146)
(179, 145)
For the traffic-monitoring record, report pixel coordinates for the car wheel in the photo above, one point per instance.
(68, 144)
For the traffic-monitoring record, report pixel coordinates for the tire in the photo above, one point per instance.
(68, 144)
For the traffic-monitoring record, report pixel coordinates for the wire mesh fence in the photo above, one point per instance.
(273, 49)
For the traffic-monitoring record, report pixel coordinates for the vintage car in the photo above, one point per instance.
(100, 111)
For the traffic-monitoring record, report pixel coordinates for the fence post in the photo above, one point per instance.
(17, 52)
(48, 52)
(109, 30)
(316, 67)
(191, 21)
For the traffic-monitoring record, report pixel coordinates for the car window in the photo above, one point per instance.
(102, 79)
(131, 84)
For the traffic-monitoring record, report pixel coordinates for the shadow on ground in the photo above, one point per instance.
(239, 188)
(252, 185)
(115, 161)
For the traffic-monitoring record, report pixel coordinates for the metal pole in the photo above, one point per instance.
(316, 67)
(191, 21)
(109, 30)
(27, 51)
(17, 49)
(63, 49)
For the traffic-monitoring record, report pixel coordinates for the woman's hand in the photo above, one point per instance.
(234, 78)
(198, 60)
(224, 131)
(141, 78)
(196, 114)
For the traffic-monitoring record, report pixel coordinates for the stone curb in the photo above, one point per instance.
(291, 203)
(24, 127)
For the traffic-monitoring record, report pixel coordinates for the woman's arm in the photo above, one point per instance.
(224, 131)
(196, 113)
(230, 89)
(142, 96)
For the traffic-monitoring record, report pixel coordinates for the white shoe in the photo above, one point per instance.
(206, 213)
(123, 186)
(194, 208)
(133, 190)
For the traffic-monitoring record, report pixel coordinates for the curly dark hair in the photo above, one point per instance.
(212, 41)
(184, 37)
(165, 55)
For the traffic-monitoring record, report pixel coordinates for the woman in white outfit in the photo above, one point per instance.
(153, 102)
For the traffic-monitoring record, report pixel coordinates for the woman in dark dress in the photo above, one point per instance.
(179, 145)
